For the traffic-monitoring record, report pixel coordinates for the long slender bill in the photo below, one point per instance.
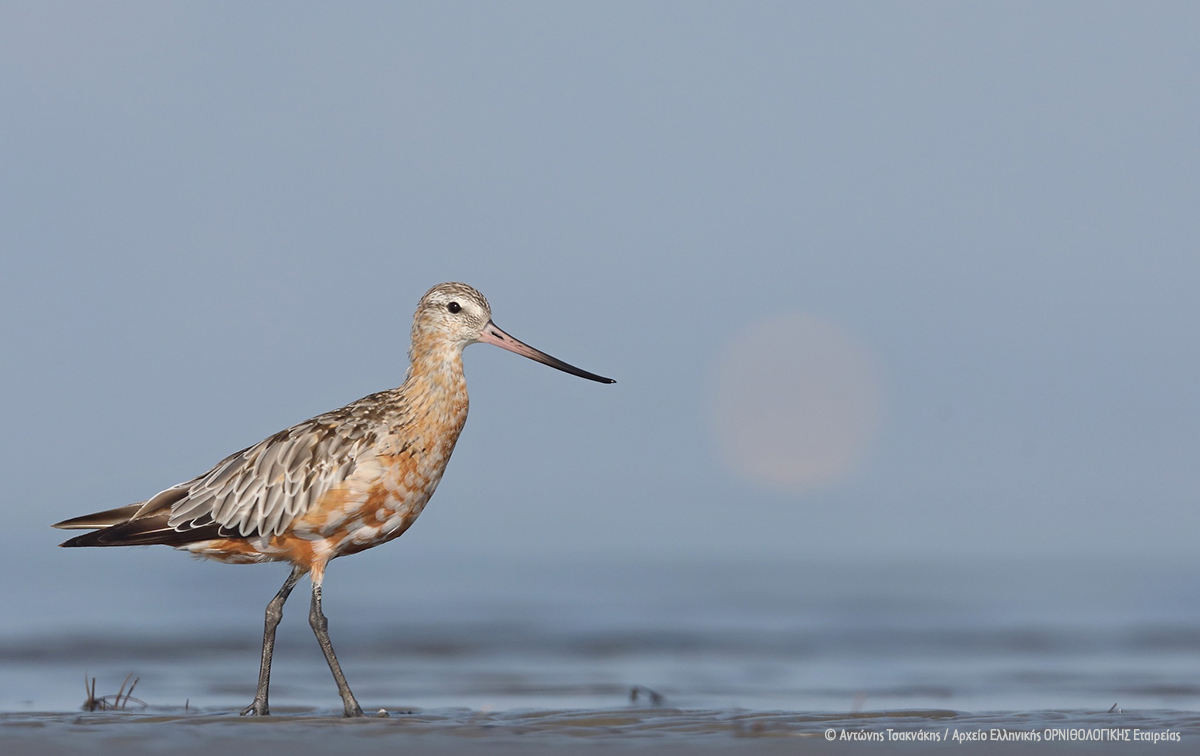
(493, 335)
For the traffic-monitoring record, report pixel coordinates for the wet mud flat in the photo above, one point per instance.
(757, 659)
(292, 732)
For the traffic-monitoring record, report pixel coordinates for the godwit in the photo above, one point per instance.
(334, 485)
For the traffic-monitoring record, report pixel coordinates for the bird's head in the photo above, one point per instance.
(454, 315)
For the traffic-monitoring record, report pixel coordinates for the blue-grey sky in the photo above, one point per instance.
(216, 220)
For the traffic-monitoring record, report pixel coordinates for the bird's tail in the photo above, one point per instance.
(105, 519)
(144, 531)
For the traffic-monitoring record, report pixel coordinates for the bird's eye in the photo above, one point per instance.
(454, 307)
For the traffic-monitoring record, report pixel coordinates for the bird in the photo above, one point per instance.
(334, 485)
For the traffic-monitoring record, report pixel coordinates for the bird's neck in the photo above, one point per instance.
(435, 386)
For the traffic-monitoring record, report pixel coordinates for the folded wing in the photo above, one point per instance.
(263, 489)
(259, 490)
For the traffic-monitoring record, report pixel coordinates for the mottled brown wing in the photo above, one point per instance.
(261, 490)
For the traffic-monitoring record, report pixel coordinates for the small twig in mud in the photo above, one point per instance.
(90, 704)
(111, 702)
(655, 697)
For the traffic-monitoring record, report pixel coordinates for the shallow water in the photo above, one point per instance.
(508, 651)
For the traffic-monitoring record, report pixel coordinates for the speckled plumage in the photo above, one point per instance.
(336, 484)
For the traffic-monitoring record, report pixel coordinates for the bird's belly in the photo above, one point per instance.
(351, 527)
(367, 515)
(376, 522)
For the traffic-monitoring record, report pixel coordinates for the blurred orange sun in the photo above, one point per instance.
(795, 402)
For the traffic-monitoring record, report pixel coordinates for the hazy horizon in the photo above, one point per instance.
(968, 233)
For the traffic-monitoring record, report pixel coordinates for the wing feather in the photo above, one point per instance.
(262, 489)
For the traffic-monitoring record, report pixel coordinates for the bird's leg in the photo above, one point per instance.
(274, 614)
(320, 626)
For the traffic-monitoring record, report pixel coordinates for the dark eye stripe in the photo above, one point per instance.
(454, 307)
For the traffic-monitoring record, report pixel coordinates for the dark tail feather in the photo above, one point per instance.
(155, 505)
(105, 519)
(145, 531)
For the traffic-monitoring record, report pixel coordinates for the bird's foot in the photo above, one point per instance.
(256, 709)
(353, 709)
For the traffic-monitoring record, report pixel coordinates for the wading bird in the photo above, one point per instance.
(334, 485)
